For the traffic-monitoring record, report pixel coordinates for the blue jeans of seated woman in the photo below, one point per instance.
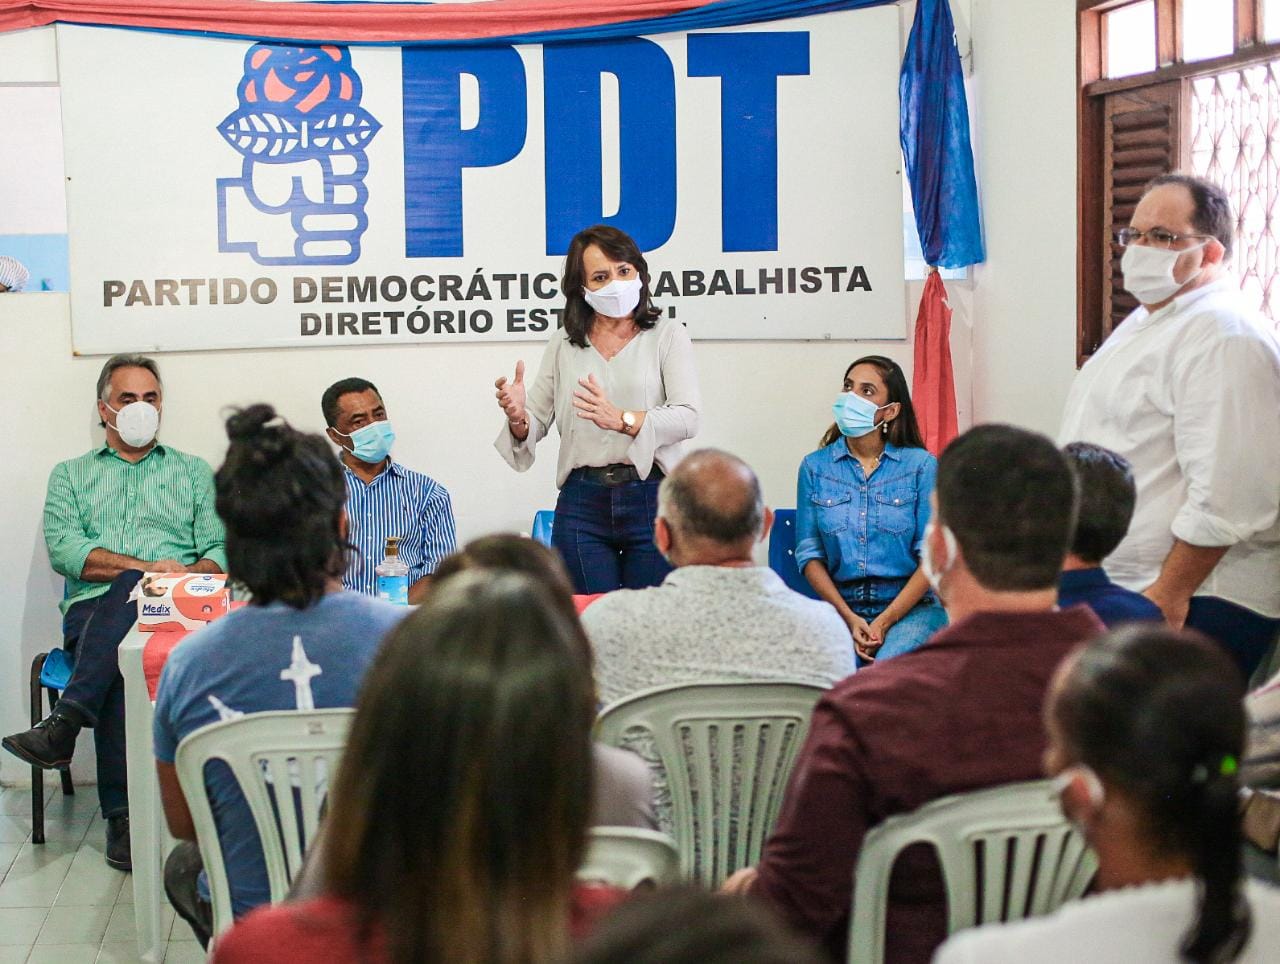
(604, 533)
(870, 597)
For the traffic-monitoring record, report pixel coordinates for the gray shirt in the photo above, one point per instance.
(714, 623)
(653, 374)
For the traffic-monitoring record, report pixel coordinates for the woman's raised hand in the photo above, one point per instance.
(511, 396)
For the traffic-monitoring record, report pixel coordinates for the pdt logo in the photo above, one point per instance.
(300, 197)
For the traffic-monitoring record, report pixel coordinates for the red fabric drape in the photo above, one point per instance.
(933, 382)
(341, 23)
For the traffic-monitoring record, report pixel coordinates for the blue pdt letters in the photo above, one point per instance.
(748, 65)
(646, 140)
(436, 148)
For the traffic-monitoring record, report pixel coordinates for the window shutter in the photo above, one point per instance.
(1142, 138)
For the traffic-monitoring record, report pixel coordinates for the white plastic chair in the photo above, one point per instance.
(727, 749)
(1006, 853)
(265, 752)
(628, 857)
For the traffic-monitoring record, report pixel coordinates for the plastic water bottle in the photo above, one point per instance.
(393, 575)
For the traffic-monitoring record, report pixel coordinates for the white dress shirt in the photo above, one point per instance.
(1190, 395)
(1135, 925)
(653, 374)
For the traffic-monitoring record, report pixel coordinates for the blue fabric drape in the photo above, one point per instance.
(935, 141)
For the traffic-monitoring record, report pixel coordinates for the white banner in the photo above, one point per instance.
(223, 194)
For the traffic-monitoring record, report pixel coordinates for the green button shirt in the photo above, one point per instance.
(161, 507)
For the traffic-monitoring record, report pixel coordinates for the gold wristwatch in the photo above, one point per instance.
(628, 423)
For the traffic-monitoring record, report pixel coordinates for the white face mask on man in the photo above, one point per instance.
(932, 571)
(1148, 272)
(136, 423)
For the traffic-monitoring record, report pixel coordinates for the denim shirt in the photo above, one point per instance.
(860, 527)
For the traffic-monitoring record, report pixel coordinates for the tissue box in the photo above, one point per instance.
(181, 600)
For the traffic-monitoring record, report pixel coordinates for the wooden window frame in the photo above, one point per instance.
(1092, 86)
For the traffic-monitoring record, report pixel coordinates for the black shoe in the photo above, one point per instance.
(119, 855)
(49, 744)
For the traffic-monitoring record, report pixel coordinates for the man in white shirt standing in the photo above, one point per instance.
(1187, 389)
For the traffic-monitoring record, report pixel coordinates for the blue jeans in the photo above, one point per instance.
(604, 533)
(870, 597)
(1245, 635)
(92, 631)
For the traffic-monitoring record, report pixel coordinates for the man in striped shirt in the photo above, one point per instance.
(383, 497)
(130, 506)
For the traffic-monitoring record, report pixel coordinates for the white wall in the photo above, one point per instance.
(765, 401)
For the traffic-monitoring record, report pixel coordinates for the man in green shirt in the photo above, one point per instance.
(133, 505)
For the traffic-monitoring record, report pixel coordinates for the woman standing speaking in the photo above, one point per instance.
(618, 381)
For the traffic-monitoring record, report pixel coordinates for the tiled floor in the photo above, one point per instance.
(59, 901)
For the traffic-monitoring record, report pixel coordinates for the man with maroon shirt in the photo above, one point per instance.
(959, 714)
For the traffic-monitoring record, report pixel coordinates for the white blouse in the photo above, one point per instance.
(653, 374)
(1134, 925)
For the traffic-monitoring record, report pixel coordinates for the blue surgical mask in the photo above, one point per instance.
(372, 443)
(855, 416)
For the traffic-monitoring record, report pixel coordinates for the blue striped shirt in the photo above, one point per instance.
(398, 502)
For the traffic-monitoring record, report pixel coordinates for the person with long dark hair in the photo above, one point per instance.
(619, 383)
(1146, 729)
(862, 504)
(463, 796)
(302, 643)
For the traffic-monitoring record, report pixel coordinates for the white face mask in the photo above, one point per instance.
(1093, 786)
(1148, 272)
(136, 423)
(617, 299)
(932, 571)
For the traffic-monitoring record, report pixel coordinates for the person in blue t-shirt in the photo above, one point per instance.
(302, 643)
(861, 509)
(1107, 497)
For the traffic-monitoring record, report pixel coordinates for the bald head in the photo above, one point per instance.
(713, 497)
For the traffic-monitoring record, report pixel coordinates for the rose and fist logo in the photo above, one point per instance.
(301, 132)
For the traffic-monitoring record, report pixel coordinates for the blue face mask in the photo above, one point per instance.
(372, 443)
(855, 416)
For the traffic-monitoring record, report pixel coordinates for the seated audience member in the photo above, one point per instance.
(623, 785)
(1145, 729)
(13, 274)
(129, 506)
(383, 497)
(1107, 497)
(960, 714)
(303, 642)
(463, 796)
(1261, 765)
(685, 925)
(718, 615)
(862, 504)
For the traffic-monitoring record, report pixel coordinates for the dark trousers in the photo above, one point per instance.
(604, 533)
(1245, 635)
(92, 631)
(182, 887)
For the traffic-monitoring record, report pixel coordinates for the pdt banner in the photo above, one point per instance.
(225, 194)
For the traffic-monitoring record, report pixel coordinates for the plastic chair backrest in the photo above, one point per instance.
(627, 857)
(1006, 853)
(55, 673)
(727, 749)
(265, 751)
(782, 552)
(542, 525)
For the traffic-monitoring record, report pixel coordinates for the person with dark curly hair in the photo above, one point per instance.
(303, 642)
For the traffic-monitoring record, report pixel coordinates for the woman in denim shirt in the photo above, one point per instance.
(861, 511)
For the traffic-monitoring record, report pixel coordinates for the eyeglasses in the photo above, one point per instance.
(1159, 237)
